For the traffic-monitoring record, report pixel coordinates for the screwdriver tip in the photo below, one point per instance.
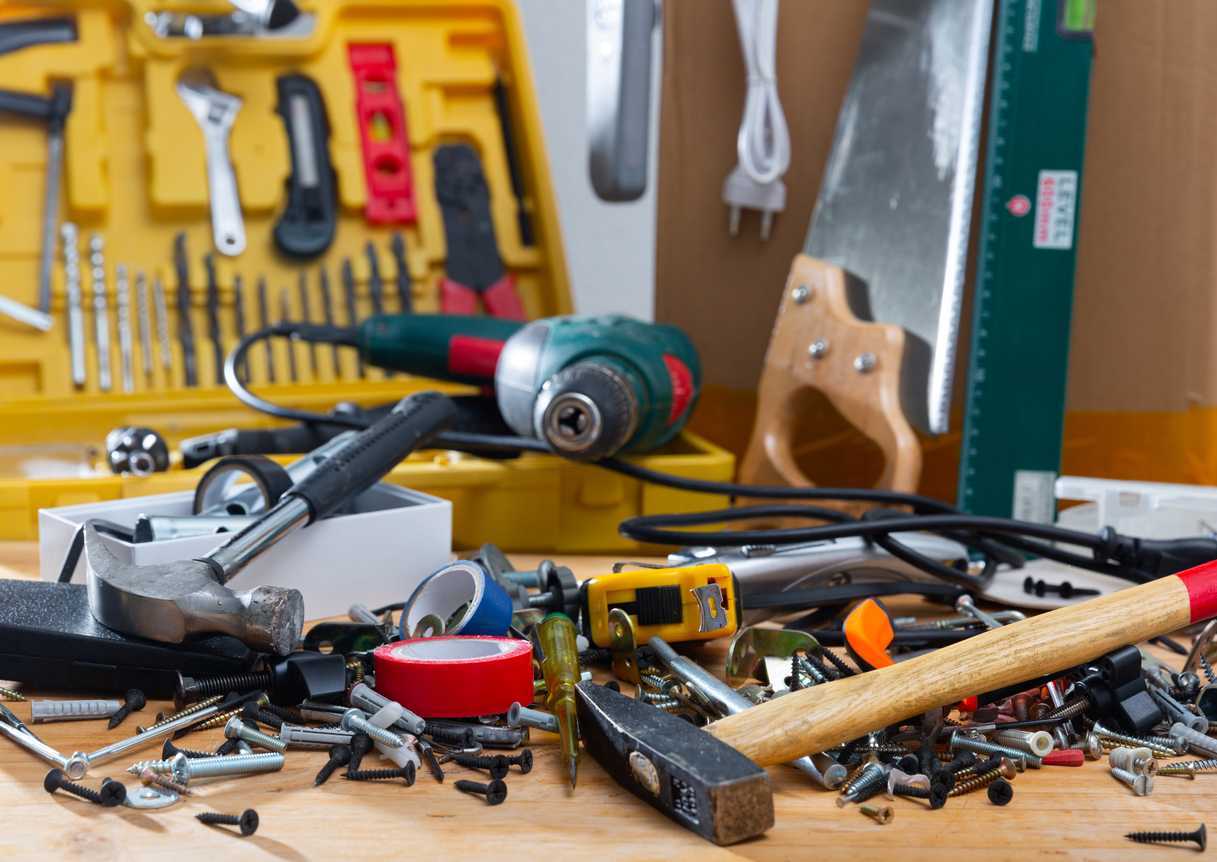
(573, 772)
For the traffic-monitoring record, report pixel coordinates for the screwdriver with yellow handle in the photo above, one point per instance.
(824, 716)
(560, 668)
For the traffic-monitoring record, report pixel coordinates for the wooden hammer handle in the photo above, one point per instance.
(827, 715)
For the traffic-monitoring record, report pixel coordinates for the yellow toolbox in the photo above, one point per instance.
(135, 176)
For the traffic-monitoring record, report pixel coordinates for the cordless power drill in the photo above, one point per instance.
(588, 387)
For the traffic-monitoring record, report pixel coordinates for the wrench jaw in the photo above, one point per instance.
(168, 602)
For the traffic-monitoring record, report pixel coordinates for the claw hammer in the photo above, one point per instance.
(819, 718)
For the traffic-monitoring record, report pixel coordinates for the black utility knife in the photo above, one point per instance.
(310, 218)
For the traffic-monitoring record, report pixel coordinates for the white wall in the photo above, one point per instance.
(610, 247)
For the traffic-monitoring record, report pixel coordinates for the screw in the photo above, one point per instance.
(495, 792)
(962, 761)
(1022, 706)
(190, 710)
(135, 700)
(354, 720)
(1134, 760)
(217, 720)
(169, 750)
(253, 712)
(818, 349)
(248, 821)
(1166, 745)
(1177, 769)
(864, 363)
(936, 794)
(800, 294)
(870, 783)
(147, 776)
(194, 688)
(1000, 791)
(186, 770)
(112, 792)
(524, 761)
(1142, 785)
(1155, 837)
(884, 815)
(236, 729)
(284, 713)
(54, 780)
(1208, 669)
(1005, 769)
(407, 772)
(1021, 758)
(340, 755)
(361, 744)
(496, 765)
(227, 747)
(9, 694)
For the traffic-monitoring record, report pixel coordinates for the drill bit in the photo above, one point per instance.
(348, 285)
(213, 316)
(76, 316)
(403, 274)
(264, 310)
(145, 324)
(327, 306)
(238, 310)
(101, 312)
(560, 668)
(162, 324)
(305, 314)
(375, 285)
(285, 315)
(122, 293)
(185, 329)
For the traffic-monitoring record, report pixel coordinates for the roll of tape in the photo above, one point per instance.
(218, 482)
(445, 590)
(455, 677)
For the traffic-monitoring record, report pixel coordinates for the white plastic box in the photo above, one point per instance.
(386, 541)
(1146, 510)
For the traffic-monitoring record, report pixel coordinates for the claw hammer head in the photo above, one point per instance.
(169, 601)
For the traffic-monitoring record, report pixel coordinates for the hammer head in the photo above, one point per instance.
(169, 601)
(686, 773)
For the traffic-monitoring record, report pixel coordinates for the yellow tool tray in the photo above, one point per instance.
(134, 173)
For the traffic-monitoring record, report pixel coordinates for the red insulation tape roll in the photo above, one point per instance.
(455, 676)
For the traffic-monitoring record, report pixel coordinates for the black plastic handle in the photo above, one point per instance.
(310, 218)
(364, 461)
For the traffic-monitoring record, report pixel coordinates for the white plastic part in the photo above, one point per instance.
(399, 756)
(1146, 510)
(387, 715)
(72, 710)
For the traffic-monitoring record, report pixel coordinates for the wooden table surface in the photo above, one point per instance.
(1061, 813)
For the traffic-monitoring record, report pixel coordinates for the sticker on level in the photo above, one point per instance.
(1055, 202)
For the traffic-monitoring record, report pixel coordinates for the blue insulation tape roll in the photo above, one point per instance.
(446, 589)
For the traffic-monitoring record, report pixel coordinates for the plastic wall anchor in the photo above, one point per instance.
(1068, 757)
(387, 715)
(72, 710)
(399, 756)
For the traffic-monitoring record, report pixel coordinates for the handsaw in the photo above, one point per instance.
(870, 313)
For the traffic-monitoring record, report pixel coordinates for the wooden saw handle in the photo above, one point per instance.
(827, 715)
(815, 310)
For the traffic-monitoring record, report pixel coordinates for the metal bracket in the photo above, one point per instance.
(624, 644)
(751, 643)
(710, 607)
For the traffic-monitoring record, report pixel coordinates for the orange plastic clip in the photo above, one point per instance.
(868, 633)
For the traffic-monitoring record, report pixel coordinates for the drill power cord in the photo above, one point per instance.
(997, 540)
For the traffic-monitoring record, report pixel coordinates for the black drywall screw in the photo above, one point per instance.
(169, 751)
(112, 792)
(254, 713)
(1156, 837)
(54, 780)
(462, 735)
(524, 761)
(943, 776)
(936, 794)
(496, 765)
(925, 755)
(1208, 669)
(248, 821)
(227, 746)
(282, 712)
(340, 755)
(963, 759)
(135, 701)
(196, 688)
(495, 792)
(613, 685)
(407, 772)
(1001, 792)
(1066, 589)
(837, 662)
(908, 764)
(361, 744)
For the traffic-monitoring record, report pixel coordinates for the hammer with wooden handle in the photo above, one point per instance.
(819, 718)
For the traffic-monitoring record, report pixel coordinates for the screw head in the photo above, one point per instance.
(885, 815)
(499, 766)
(938, 796)
(818, 349)
(943, 777)
(865, 362)
(248, 821)
(800, 294)
(411, 772)
(1143, 785)
(496, 792)
(112, 792)
(180, 767)
(52, 781)
(1000, 792)
(233, 728)
(526, 761)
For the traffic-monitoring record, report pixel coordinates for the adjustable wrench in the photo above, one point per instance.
(215, 111)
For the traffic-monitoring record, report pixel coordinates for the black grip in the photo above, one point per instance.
(368, 457)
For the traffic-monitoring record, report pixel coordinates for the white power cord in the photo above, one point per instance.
(763, 144)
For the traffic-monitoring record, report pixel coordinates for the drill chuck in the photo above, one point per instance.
(586, 411)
